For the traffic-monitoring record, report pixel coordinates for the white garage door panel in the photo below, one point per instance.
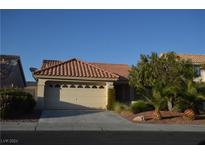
(95, 98)
(75, 98)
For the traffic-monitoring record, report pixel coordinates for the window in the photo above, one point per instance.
(94, 86)
(197, 71)
(72, 86)
(57, 86)
(80, 86)
(101, 87)
(87, 86)
(65, 86)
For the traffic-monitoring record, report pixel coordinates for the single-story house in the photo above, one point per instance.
(76, 84)
(11, 72)
(199, 63)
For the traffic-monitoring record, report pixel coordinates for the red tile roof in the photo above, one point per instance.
(74, 68)
(119, 69)
(198, 59)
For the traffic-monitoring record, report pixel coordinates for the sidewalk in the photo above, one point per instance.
(36, 126)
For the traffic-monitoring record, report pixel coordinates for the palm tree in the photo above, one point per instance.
(193, 94)
(156, 99)
(170, 93)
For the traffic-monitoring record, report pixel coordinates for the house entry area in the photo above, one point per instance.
(75, 95)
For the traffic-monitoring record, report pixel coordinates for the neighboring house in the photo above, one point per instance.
(198, 61)
(75, 84)
(11, 72)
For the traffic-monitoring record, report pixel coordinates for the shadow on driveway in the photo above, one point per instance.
(67, 113)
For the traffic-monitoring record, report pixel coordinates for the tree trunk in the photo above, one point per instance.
(157, 114)
(169, 104)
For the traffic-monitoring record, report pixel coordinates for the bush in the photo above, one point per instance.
(180, 107)
(140, 106)
(15, 102)
(119, 107)
(199, 108)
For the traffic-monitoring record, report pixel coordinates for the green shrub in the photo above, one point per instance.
(15, 102)
(180, 107)
(111, 99)
(119, 107)
(140, 106)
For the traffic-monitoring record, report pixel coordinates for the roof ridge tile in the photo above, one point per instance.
(100, 68)
(54, 65)
(75, 63)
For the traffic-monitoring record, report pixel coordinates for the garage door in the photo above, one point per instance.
(75, 96)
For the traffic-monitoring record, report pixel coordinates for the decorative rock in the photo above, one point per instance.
(189, 114)
(138, 118)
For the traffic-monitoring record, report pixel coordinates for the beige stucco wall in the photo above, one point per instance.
(40, 93)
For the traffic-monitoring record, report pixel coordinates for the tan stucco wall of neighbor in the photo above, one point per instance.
(203, 75)
(32, 90)
(60, 98)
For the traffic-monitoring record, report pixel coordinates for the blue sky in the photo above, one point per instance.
(112, 36)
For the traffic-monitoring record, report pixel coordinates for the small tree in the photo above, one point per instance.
(165, 72)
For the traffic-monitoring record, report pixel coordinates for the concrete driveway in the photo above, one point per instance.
(82, 120)
(99, 120)
(91, 120)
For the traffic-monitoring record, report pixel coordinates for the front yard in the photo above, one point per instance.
(168, 117)
(166, 91)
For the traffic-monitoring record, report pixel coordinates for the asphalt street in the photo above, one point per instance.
(102, 137)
